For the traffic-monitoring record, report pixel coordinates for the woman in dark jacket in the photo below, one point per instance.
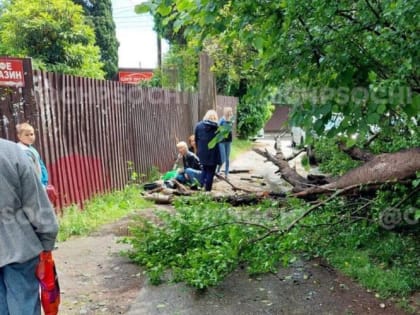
(205, 131)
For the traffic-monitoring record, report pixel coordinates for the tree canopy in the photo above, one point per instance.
(100, 14)
(55, 34)
(355, 58)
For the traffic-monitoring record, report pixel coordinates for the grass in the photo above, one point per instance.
(386, 262)
(100, 210)
(305, 163)
(386, 281)
(239, 146)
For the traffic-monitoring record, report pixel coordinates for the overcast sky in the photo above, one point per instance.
(138, 41)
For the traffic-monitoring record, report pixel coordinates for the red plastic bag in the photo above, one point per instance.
(48, 281)
(52, 194)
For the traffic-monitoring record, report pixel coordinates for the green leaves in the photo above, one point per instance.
(203, 242)
(259, 43)
(413, 108)
(317, 46)
(56, 36)
(142, 8)
(164, 10)
(221, 134)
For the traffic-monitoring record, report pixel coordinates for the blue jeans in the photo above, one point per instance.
(224, 148)
(19, 289)
(192, 174)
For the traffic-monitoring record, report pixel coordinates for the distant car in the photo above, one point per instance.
(258, 135)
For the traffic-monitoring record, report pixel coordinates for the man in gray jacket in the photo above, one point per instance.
(28, 226)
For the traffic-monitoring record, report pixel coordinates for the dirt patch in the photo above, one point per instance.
(96, 279)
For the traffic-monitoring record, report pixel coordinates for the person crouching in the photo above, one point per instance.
(190, 171)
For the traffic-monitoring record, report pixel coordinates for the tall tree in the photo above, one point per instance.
(100, 13)
(54, 34)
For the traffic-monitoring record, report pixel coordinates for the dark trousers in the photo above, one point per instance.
(207, 176)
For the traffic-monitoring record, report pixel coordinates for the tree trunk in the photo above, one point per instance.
(356, 153)
(207, 86)
(383, 168)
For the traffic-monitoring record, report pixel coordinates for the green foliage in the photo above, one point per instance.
(379, 259)
(204, 241)
(305, 163)
(352, 58)
(229, 67)
(332, 160)
(99, 14)
(179, 70)
(222, 133)
(198, 254)
(153, 174)
(398, 132)
(356, 58)
(201, 243)
(156, 80)
(394, 134)
(252, 115)
(98, 211)
(56, 36)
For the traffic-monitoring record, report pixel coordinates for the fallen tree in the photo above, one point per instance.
(208, 232)
(380, 169)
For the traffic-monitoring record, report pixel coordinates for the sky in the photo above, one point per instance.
(138, 41)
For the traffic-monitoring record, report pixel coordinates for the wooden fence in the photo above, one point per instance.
(93, 134)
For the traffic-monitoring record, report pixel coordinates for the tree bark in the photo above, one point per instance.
(287, 173)
(207, 85)
(383, 168)
(380, 169)
(356, 153)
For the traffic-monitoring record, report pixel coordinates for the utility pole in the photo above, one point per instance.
(159, 51)
(207, 89)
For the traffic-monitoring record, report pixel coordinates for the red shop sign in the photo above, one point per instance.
(134, 77)
(11, 72)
